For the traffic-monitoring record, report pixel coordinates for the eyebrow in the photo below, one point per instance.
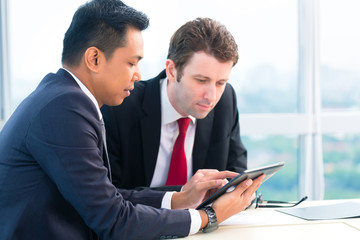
(137, 57)
(201, 76)
(208, 78)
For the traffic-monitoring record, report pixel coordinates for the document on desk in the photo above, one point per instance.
(325, 212)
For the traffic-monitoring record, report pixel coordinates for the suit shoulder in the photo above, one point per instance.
(229, 90)
(228, 97)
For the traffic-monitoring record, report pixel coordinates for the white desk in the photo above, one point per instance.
(268, 224)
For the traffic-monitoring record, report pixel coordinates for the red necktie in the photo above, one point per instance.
(178, 167)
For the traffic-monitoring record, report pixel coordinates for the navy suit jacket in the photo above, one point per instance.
(133, 136)
(53, 183)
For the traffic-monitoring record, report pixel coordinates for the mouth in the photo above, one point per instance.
(127, 91)
(205, 107)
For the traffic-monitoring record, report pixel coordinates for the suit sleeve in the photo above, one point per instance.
(65, 140)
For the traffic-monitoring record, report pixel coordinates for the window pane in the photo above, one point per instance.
(340, 54)
(263, 150)
(266, 33)
(268, 41)
(341, 166)
(35, 39)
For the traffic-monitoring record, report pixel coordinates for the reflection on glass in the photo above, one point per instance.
(264, 150)
(340, 54)
(341, 166)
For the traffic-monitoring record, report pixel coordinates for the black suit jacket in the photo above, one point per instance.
(53, 183)
(134, 128)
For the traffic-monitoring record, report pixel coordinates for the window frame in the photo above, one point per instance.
(4, 68)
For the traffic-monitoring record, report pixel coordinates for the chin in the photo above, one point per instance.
(117, 102)
(200, 115)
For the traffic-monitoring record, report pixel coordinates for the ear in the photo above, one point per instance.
(171, 72)
(92, 57)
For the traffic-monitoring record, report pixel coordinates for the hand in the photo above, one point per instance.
(236, 201)
(199, 187)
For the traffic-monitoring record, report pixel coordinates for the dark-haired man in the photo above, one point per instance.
(54, 183)
(142, 131)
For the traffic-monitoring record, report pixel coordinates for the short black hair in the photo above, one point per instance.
(102, 24)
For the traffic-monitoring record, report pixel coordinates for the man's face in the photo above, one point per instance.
(118, 73)
(201, 85)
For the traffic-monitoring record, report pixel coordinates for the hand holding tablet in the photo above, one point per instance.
(268, 170)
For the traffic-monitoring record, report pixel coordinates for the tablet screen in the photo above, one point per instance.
(268, 170)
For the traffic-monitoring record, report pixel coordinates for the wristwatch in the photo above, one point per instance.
(213, 223)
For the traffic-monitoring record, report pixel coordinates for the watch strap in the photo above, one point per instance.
(213, 223)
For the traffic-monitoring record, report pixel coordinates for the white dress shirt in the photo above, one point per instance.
(166, 201)
(169, 133)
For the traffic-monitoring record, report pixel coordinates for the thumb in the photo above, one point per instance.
(243, 186)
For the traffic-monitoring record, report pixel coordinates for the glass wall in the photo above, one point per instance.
(340, 84)
(287, 49)
(264, 150)
(342, 165)
(36, 31)
(340, 55)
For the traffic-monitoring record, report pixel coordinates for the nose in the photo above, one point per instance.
(137, 75)
(210, 93)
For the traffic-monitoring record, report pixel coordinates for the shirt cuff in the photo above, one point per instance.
(195, 221)
(194, 214)
(166, 201)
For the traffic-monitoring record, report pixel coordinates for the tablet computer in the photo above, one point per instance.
(268, 170)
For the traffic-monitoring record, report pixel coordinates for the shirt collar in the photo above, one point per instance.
(87, 92)
(171, 114)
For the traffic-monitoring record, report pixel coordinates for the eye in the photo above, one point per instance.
(200, 80)
(132, 64)
(221, 83)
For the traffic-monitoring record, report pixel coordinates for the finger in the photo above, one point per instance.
(219, 175)
(243, 186)
(255, 185)
(253, 196)
(257, 181)
(205, 171)
(223, 182)
(207, 185)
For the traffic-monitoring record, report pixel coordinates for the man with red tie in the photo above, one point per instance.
(184, 120)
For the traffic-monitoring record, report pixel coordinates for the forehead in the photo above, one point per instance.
(134, 43)
(208, 66)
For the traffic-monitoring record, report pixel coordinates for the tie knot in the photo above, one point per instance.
(183, 124)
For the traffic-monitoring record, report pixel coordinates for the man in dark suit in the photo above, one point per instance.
(141, 131)
(54, 183)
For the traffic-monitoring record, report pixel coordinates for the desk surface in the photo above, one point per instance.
(268, 224)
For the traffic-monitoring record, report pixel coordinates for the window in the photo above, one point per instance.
(35, 41)
(296, 79)
(264, 150)
(339, 76)
(340, 55)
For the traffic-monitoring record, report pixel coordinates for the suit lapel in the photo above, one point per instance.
(202, 140)
(151, 126)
